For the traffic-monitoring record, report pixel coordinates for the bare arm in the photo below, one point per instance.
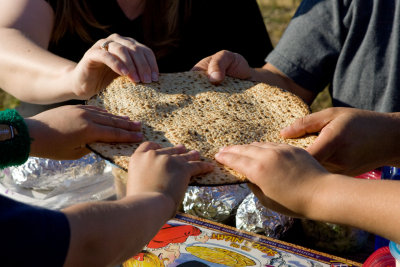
(107, 233)
(28, 70)
(289, 180)
(31, 73)
(371, 205)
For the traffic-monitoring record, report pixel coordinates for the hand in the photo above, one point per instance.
(284, 177)
(224, 63)
(121, 56)
(62, 133)
(350, 141)
(163, 170)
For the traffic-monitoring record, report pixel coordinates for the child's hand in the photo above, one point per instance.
(284, 177)
(163, 170)
(224, 63)
(63, 132)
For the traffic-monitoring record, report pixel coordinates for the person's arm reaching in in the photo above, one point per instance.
(63, 133)
(289, 180)
(351, 141)
(107, 233)
(32, 74)
(232, 64)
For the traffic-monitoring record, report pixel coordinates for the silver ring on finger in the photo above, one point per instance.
(105, 45)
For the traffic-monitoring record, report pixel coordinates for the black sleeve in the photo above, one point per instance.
(234, 25)
(32, 236)
(245, 31)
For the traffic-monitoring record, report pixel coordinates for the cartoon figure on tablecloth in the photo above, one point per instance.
(164, 248)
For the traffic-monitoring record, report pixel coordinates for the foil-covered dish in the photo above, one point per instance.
(46, 174)
(216, 203)
(58, 183)
(254, 217)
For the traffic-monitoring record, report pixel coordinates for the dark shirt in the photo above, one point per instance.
(32, 236)
(353, 46)
(214, 25)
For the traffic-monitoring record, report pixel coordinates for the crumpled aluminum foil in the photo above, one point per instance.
(254, 217)
(216, 203)
(57, 184)
(46, 174)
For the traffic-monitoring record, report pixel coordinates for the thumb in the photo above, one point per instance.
(312, 123)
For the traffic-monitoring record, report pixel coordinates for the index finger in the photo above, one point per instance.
(239, 157)
(309, 124)
(216, 65)
(199, 167)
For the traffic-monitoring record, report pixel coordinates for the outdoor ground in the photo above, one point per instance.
(276, 13)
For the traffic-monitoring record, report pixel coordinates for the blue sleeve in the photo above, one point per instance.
(32, 236)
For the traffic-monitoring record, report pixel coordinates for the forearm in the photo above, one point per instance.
(393, 139)
(271, 75)
(372, 205)
(31, 73)
(106, 233)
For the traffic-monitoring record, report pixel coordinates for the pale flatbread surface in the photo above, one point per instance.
(185, 108)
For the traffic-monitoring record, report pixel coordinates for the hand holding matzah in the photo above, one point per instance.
(65, 136)
(283, 177)
(165, 171)
(350, 141)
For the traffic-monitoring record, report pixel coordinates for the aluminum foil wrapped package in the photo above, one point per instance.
(333, 237)
(47, 174)
(56, 184)
(216, 203)
(254, 217)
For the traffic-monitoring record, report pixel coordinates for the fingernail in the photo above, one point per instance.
(124, 71)
(284, 131)
(135, 77)
(146, 78)
(215, 76)
(221, 149)
(138, 134)
(154, 76)
(136, 123)
(179, 145)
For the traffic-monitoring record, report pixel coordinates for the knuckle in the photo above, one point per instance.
(115, 35)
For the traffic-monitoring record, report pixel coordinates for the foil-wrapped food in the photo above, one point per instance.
(216, 203)
(46, 174)
(254, 217)
(334, 238)
(56, 184)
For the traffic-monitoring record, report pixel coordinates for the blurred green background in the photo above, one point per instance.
(276, 13)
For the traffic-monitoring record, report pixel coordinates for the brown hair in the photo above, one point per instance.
(162, 22)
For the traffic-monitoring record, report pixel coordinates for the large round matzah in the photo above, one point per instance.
(185, 108)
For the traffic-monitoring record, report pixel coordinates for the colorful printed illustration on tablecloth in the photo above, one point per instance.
(165, 249)
(180, 245)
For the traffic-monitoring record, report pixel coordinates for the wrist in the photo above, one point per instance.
(163, 204)
(323, 198)
(15, 139)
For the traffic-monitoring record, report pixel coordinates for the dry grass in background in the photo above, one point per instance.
(276, 13)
